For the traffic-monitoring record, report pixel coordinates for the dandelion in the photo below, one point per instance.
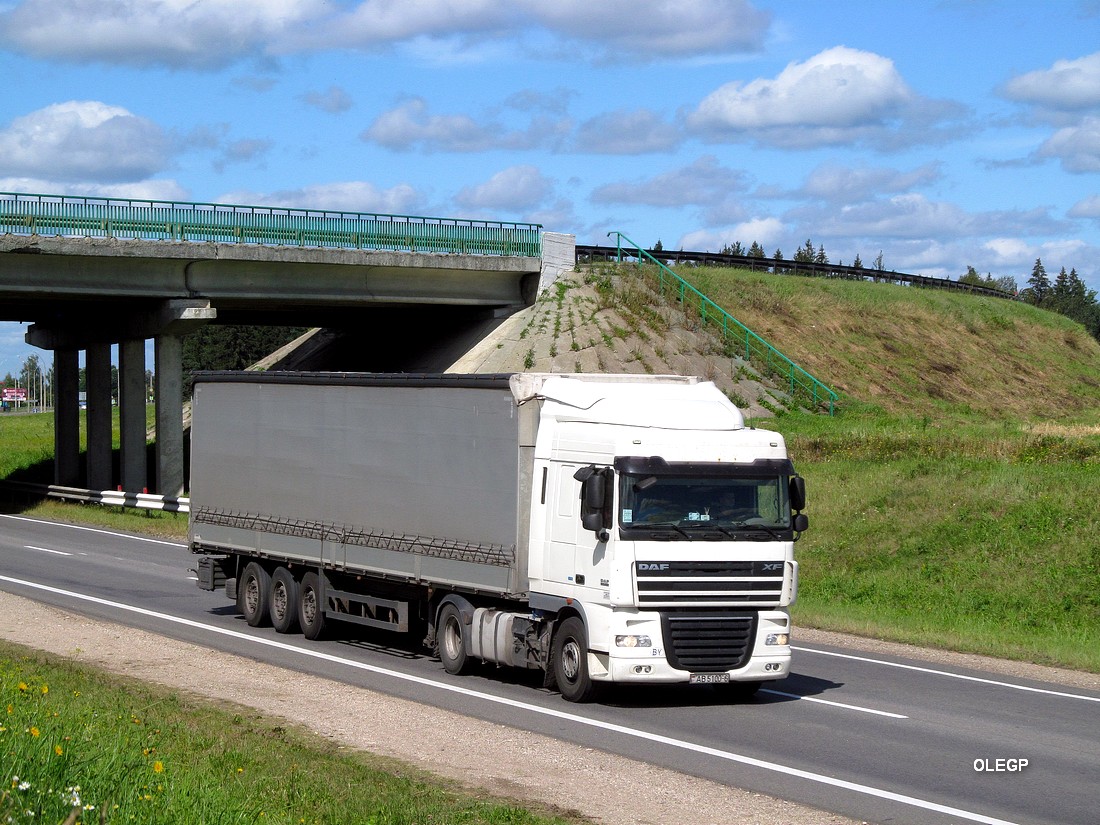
(158, 767)
(23, 687)
(34, 732)
(11, 708)
(45, 689)
(57, 749)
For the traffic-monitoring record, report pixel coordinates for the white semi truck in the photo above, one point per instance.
(620, 529)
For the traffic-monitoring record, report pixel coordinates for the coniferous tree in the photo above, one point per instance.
(756, 251)
(1039, 289)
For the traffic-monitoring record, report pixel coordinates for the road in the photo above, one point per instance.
(873, 737)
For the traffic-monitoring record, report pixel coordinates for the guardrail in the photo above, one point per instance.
(30, 214)
(755, 348)
(117, 498)
(782, 266)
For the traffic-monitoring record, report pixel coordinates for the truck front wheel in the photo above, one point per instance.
(569, 659)
(284, 601)
(254, 595)
(311, 612)
(451, 643)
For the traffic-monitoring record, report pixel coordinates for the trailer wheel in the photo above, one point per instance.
(449, 639)
(569, 659)
(254, 595)
(311, 609)
(284, 601)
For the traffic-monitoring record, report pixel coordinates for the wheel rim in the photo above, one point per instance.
(252, 594)
(279, 600)
(571, 660)
(309, 606)
(452, 639)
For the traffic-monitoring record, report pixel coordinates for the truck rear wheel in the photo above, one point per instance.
(569, 659)
(254, 595)
(451, 643)
(311, 607)
(284, 601)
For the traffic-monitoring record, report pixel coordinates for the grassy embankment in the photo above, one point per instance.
(953, 499)
(78, 746)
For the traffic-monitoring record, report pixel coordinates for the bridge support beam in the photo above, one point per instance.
(66, 431)
(97, 375)
(168, 354)
(131, 409)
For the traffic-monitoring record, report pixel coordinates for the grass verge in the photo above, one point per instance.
(81, 746)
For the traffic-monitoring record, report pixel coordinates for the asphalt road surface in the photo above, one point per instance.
(874, 737)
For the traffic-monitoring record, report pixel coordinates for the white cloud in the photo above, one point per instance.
(516, 189)
(216, 33)
(1068, 85)
(626, 133)
(704, 183)
(177, 33)
(333, 100)
(840, 96)
(765, 231)
(1087, 208)
(1077, 147)
(410, 125)
(647, 28)
(347, 196)
(83, 140)
(842, 184)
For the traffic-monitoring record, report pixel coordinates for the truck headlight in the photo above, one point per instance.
(633, 641)
(778, 639)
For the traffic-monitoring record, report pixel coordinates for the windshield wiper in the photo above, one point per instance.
(744, 525)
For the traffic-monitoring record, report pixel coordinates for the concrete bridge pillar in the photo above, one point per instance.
(131, 409)
(168, 353)
(97, 380)
(66, 431)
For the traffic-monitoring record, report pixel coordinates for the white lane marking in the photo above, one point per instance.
(785, 770)
(47, 550)
(834, 704)
(93, 530)
(963, 676)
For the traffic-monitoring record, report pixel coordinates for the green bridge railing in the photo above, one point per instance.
(28, 214)
(756, 349)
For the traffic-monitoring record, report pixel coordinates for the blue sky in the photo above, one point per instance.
(943, 134)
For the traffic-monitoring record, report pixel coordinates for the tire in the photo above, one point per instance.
(284, 601)
(311, 607)
(450, 641)
(254, 595)
(569, 660)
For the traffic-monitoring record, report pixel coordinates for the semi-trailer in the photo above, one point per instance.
(604, 529)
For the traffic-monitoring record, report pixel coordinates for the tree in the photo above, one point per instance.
(756, 251)
(821, 257)
(857, 263)
(733, 249)
(806, 254)
(658, 247)
(1039, 289)
(878, 264)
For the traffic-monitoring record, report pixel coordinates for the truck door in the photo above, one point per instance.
(559, 562)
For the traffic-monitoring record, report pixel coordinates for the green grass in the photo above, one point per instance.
(979, 539)
(77, 745)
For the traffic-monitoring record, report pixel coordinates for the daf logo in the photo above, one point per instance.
(652, 566)
(771, 567)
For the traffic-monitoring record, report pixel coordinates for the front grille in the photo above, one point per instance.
(703, 643)
(709, 583)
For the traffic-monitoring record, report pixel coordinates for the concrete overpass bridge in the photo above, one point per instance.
(89, 273)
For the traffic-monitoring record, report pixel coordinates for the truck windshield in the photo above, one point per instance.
(726, 503)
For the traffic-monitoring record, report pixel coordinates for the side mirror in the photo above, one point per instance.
(800, 523)
(798, 493)
(594, 499)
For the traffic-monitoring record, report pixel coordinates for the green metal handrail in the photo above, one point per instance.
(756, 349)
(29, 214)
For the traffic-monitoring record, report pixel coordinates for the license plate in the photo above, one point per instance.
(709, 678)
